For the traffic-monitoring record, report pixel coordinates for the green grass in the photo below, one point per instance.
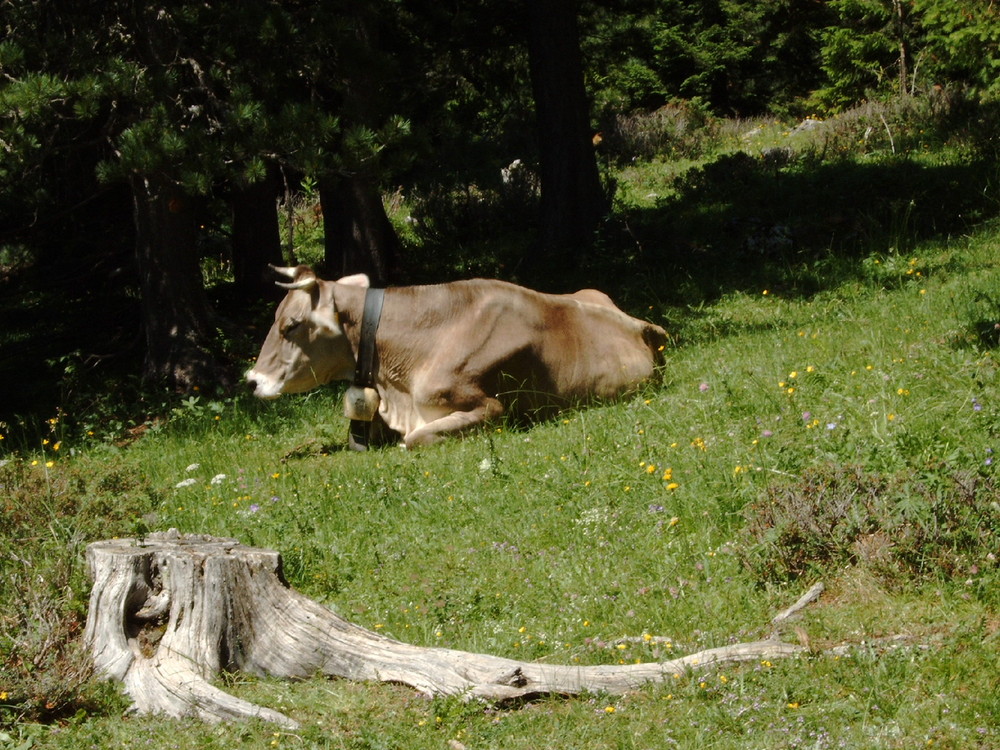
(695, 511)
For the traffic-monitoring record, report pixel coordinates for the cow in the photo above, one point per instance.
(451, 357)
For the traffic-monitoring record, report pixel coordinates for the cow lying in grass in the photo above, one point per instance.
(449, 357)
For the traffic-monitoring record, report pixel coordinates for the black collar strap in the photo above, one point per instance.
(364, 372)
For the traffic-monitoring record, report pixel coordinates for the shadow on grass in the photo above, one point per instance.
(788, 224)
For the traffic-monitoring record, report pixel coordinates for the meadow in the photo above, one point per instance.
(810, 426)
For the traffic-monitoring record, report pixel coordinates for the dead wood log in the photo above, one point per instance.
(171, 611)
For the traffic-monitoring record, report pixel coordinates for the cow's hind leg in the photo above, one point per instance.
(453, 424)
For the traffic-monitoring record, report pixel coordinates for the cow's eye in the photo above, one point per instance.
(290, 327)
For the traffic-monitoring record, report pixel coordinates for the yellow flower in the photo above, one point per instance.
(650, 469)
(275, 475)
(50, 464)
(673, 486)
(609, 709)
(792, 375)
(793, 705)
(674, 521)
(668, 474)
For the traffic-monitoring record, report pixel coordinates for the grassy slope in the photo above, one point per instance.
(553, 543)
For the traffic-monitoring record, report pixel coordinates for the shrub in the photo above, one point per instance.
(941, 525)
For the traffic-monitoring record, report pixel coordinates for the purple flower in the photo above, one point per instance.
(806, 416)
(831, 425)
(254, 508)
(703, 387)
(766, 433)
(976, 406)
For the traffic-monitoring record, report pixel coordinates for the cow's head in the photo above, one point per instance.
(306, 346)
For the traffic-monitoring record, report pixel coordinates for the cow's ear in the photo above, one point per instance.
(358, 279)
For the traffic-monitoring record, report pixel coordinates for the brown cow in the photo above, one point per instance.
(451, 356)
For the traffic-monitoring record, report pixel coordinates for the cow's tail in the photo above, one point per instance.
(656, 339)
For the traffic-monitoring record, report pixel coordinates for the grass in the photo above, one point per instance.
(841, 430)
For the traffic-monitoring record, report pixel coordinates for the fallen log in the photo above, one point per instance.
(169, 612)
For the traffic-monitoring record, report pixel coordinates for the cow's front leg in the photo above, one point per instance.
(453, 424)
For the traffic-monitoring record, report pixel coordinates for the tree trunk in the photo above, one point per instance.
(176, 316)
(169, 612)
(572, 200)
(358, 236)
(256, 239)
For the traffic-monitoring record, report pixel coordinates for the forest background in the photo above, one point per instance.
(146, 149)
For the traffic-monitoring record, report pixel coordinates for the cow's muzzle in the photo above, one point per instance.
(262, 385)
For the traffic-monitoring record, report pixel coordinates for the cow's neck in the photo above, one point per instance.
(349, 301)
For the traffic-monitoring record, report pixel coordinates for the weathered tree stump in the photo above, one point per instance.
(171, 611)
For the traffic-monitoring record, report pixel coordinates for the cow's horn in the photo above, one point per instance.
(302, 277)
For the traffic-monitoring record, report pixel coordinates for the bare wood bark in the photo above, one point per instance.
(169, 612)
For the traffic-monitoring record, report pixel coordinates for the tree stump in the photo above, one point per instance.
(170, 612)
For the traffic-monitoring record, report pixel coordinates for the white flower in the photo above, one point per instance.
(186, 482)
(192, 467)
(218, 479)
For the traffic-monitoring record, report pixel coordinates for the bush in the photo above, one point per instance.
(678, 129)
(941, 525)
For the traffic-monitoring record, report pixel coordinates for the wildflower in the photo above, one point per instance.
(185, 482)
(668, 474)
(275, 475)
(792, 375)
(49, 464)
(254, 507)
(674, 521)
(609, 709)
(650, 469)
(192, 467)
(766, 434)
(794, 705)
(703, 387)
(218, 479)
(976, 406)
(57, 446)
(673, 486)
(699, 443)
